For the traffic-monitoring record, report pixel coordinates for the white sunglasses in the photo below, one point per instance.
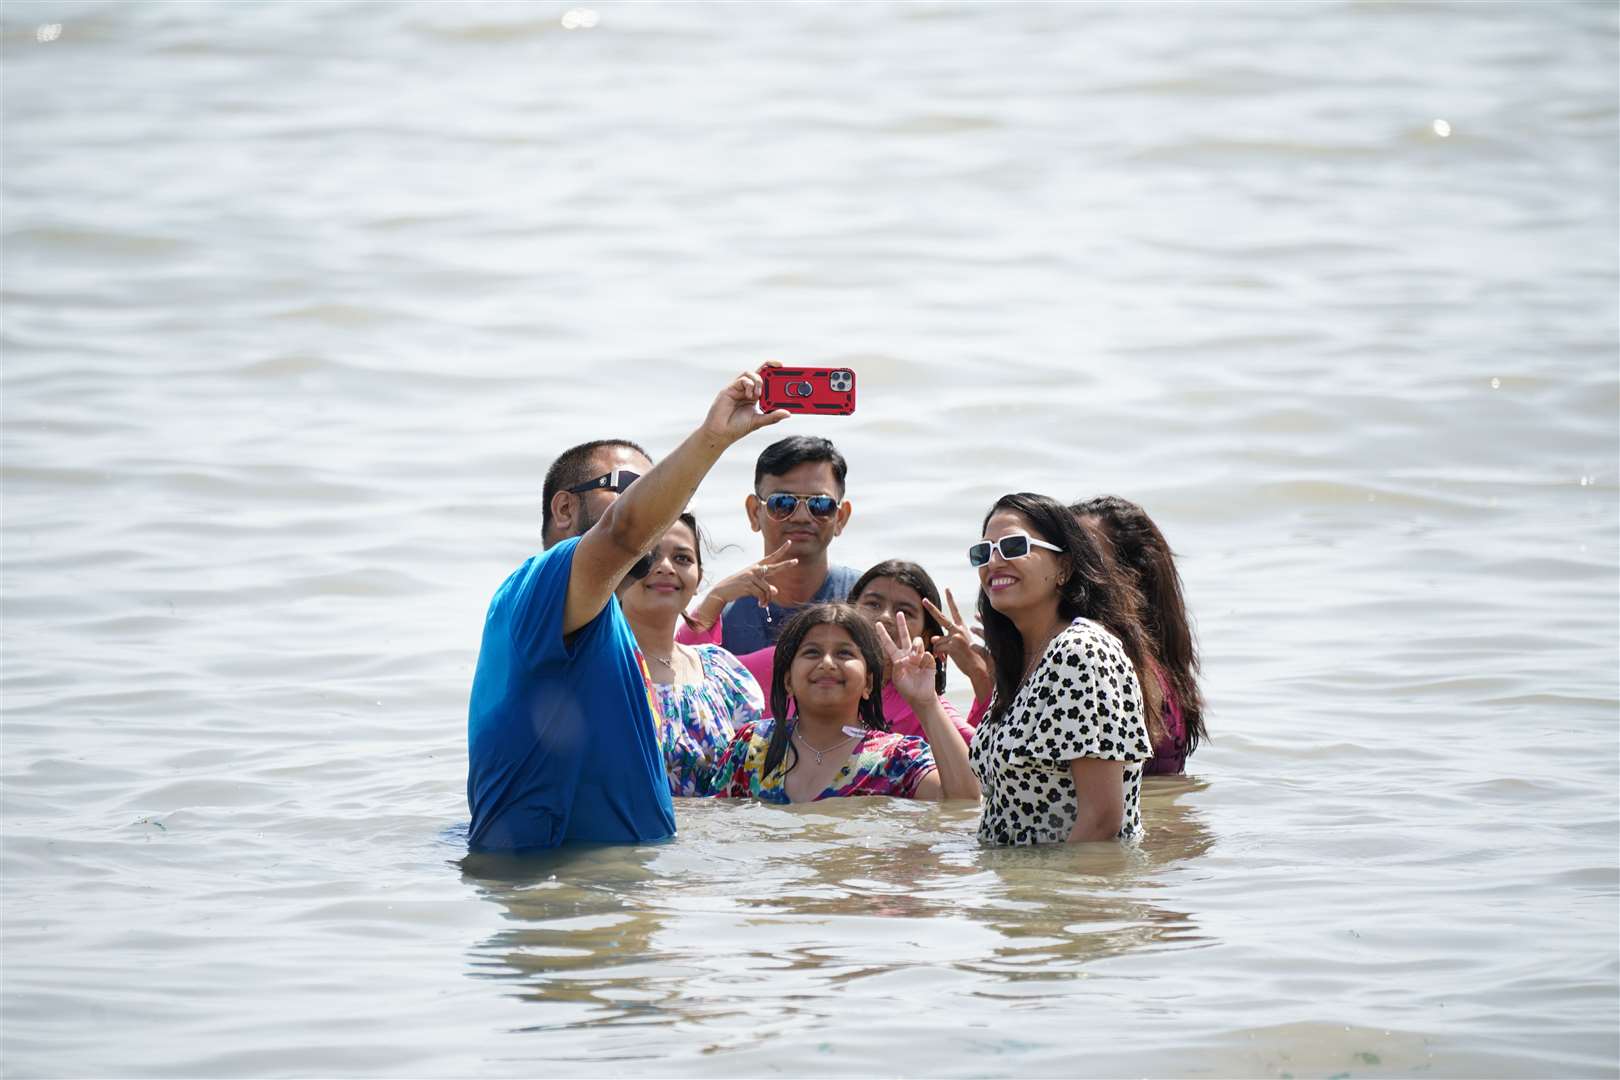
(1012, 546)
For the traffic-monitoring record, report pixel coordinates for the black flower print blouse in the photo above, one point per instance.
(1082, 701)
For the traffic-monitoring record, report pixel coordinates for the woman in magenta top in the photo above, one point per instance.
(829, 737)
(1142, 551)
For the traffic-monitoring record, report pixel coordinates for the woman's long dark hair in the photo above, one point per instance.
(1144, 552)
(689, 519)
(862, 631)
(1094, 587)
(915, 577)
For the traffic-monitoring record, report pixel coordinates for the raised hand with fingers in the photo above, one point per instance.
(965, 652)
(911, 671)
(735, 411)
(752, 580)
(911, 667)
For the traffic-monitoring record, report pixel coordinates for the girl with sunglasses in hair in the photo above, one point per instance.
(700, 694)
(1143, 552)
(828, 737)
(1061, 750)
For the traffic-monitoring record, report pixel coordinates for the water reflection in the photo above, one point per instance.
(582, 936)
(759, 908)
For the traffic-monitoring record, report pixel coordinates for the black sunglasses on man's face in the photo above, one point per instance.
(617, 480)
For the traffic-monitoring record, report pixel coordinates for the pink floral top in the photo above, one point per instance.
(880, 763)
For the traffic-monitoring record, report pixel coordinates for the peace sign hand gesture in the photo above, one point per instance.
(735, 411)
(911, 667)
(754, 580)
(965, 652)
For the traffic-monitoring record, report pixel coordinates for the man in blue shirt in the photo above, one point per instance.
(798, 506)
(561, 740)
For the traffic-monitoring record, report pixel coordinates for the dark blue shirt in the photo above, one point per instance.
(744, 628)
(561, 743)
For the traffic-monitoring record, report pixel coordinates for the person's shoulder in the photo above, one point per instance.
(553, 558)
(841, 579)
(720, 662)
(894, 744)
(1087, 635)
(754, 731)
(714, 655)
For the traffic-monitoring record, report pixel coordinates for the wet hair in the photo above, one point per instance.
(1094, 587)
(573, 466)
(915, 577)
(862, 631)
(689, 519)
(795, 450)
(1143, 552)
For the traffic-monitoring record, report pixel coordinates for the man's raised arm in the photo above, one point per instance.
(639, 517)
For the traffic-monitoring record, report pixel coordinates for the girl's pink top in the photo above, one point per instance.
(1169, 753)
(902, 720)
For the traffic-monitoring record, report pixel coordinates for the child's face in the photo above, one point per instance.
(828, 673)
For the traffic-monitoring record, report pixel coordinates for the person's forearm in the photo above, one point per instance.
(984, 684)
(707, 612)
(1093, 824)
(652, 503)
(950, 751)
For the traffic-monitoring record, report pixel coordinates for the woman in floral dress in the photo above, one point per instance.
(700, 694)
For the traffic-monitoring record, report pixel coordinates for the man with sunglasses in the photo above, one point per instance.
(798, 507)
(561, 740)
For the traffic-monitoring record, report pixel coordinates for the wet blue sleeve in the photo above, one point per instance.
(538, 597)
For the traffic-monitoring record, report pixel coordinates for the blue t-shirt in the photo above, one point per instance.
(744, 629)
(561, 743)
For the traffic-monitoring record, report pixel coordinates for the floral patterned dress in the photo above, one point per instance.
(1082, 701)
(879, 764)
(696, 721)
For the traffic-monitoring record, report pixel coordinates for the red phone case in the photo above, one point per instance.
(826, 390)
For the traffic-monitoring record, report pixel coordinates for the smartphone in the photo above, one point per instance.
(826, 390)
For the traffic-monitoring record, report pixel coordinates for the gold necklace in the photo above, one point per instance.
(667, 661)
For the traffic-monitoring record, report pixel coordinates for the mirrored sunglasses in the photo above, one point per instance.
(781, 505)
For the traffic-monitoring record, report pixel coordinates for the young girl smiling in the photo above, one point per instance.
(828, 738)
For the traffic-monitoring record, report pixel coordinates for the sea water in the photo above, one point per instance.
(300, 300)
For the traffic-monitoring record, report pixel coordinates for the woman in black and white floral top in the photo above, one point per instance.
(1060, 753)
